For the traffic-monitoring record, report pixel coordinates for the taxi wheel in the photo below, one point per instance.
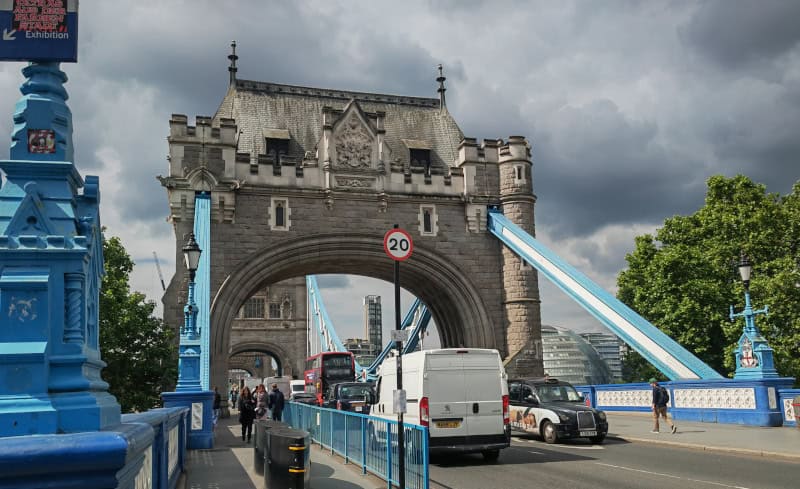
(549, 432)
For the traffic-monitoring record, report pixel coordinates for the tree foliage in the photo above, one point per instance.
(137, 347)
(684, 279)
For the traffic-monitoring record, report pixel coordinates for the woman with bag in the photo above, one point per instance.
(247, 412)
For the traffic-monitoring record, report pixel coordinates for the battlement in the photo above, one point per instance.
(202, 132)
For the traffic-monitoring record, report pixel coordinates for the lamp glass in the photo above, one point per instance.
(745, 267)
(191, 253)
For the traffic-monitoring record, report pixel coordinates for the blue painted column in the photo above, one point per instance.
(59, 426)
(189, 391)
(51, 265)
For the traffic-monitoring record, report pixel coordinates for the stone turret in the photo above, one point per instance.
(520, 281)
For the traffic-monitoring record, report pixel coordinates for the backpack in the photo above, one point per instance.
(665, 394)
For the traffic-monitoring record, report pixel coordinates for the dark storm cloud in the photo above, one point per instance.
(609, 170)
(735, 33)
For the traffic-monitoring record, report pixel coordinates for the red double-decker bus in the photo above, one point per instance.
(326, 368)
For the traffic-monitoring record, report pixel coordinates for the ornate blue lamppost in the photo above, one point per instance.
(190, 348)
(754, 357)
(189, 392)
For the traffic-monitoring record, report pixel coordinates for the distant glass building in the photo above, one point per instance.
(568, 356)
(610, 349)
(373, 323)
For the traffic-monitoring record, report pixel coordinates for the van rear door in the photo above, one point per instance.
(484, 392)
(445, 388)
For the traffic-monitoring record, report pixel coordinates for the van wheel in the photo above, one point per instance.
(597, 439)
(549, 432)
(491, 455)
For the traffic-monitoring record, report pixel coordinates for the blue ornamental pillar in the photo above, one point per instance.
(754, 357)
(189, 392)
(51, 266)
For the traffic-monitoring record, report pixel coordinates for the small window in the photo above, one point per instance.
(280, 215)
(427, 227)
(524, 392)
(277, 147)
(519, 174)
(253, 308)
(428, 221)
(513, 391)
(421, 157)
(274, 310)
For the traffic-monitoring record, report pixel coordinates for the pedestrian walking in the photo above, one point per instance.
(276, 402)
(247, 412)
(217, 402)
(261, 399)
(660, 401)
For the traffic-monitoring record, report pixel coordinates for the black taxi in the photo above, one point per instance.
(554, 410)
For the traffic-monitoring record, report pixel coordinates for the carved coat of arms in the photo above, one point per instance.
(22, 310)
(354, 145)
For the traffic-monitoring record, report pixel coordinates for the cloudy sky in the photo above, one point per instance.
(630, 106)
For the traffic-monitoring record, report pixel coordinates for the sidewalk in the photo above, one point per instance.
(229, 465)
(748, 440)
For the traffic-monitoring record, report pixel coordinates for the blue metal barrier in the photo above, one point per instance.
(367, 441)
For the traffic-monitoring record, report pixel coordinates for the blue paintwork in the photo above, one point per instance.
(23, 48)
(754, 358)
(202, 437)
(51, 264)
(762, 415)
(372, 446)
(790, 395)
(92, 460)
(189, 357)
(202, 233)
(682, 365)
(43, 106)
(163, 421)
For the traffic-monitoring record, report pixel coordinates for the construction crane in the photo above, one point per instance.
(160, 275)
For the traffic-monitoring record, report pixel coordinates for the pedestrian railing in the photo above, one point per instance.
(367, 441)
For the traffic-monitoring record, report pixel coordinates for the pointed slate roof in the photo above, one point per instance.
(256, 106)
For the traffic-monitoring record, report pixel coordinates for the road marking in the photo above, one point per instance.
(671, 476)
(576, 447)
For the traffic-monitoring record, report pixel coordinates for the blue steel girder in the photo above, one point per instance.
(659, 349)
(328, 339)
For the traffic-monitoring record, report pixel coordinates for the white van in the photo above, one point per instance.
(460, 394)
(297, 387)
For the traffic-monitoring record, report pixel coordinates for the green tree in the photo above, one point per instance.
(683, 279)
(138, 348)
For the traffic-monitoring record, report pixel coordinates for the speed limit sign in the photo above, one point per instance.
(397, 244)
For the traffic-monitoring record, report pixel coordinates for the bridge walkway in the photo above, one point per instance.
(229, 465)
(777, 442)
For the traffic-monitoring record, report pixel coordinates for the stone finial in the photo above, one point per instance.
(232, 68)
(441, 89)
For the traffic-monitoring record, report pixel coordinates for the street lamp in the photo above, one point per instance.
(191, 257)
(745, 268)
(754, 357)
(190, 348)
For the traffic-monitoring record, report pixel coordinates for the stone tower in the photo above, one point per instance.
(520, 280)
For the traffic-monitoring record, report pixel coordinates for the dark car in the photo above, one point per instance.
(304, 398)
(554, 410)
(349, 396)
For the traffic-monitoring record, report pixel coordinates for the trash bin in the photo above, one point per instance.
(796, 409)
(261, 439)
(288, 459)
